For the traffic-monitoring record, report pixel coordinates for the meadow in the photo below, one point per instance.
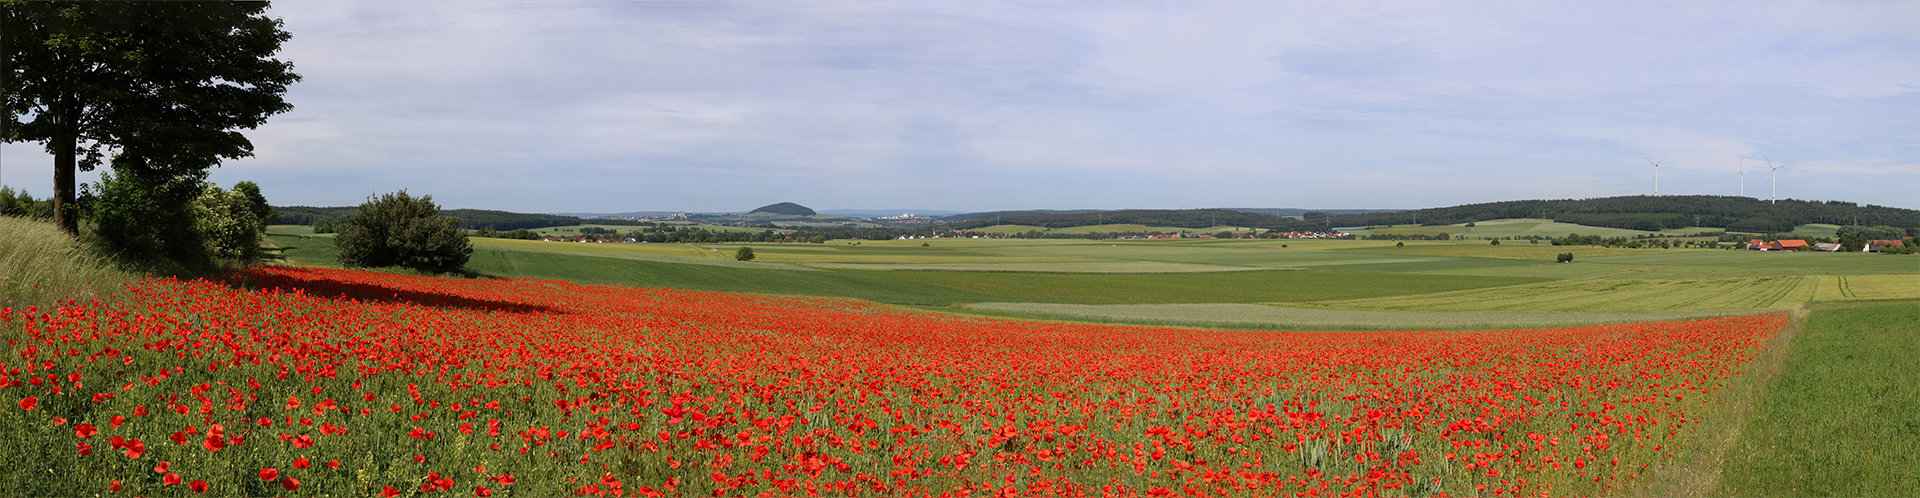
(1298, 367)
(313, 381)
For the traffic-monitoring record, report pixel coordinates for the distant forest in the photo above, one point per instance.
(1185, 218)
(1736, 214)
(469, 218)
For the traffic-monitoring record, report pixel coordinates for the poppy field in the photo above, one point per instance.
(306, 381)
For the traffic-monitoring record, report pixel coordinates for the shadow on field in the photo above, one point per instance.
(326, 288)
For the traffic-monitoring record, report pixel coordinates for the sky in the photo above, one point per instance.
(609, 107)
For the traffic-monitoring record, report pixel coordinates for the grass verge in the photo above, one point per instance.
(1840, 419)
(41, 266)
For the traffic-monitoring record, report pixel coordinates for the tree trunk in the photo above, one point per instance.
(66, 138)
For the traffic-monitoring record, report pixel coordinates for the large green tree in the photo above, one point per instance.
(158, 89)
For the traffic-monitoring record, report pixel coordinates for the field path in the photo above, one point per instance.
(1699, 474)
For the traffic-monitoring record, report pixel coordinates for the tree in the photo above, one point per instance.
(160, 85)
(401, 230)
(744, 254)
(229, 223)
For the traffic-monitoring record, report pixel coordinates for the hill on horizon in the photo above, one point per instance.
(787, 208)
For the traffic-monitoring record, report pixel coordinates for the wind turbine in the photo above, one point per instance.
(1772, 171)
(1656, 174)
(1743, 177)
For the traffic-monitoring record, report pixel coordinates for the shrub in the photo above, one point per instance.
(229, 221)
(148, 221)
(1565, 257)
(401, 230)
(744, 254)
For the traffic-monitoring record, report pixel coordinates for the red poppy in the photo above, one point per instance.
(301, 463)
(269, 474)
(170, 479)
(290, 483)
(198, 486)
(84, 430)
(29, 402)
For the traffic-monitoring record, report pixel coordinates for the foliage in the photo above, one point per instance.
(163, 85)
(19, 203)
(543, 388)
(229, 221)
(787, 208)
(398, 229)
(149, 221)
(517, 234)
(1565, 257)
(744, 254)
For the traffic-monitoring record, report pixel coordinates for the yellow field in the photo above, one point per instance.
(1603, 296)
(1867, 287)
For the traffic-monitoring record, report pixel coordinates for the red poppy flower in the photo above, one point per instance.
(290, 483)
(84, 430)
(301, 463)
(269, 474)
(170, 479)
(198, 486)
(29, 402)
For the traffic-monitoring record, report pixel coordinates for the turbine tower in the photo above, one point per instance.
(1772, 172)
(1743, 177)
(1656, 174)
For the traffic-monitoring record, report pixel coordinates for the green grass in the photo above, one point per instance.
(1041, 267)
(1867, 288)
(728, 275)
(1265, 254)
(41, 266)
(1229, 287)
(1519, 227)
(1604, 295)
(1840, 420)
(1259, 317)
(303, 250)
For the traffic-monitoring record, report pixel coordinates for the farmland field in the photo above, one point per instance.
(1612, 295)
(313, 381)
(1227, 287)
(1260, 317)
(1839, 420)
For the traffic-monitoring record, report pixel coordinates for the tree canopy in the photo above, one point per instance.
(161, 86)
(398, 229)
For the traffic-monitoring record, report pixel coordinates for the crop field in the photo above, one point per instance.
(1225, 287)
(1040, 267)
(719, 275)
(1608, 295)
(1516, 228)
(1512, 249)
(1867, 288)
(1839, 419)
(310, 381)
(1262, 317)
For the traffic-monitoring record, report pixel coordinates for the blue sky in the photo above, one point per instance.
(974, 106)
